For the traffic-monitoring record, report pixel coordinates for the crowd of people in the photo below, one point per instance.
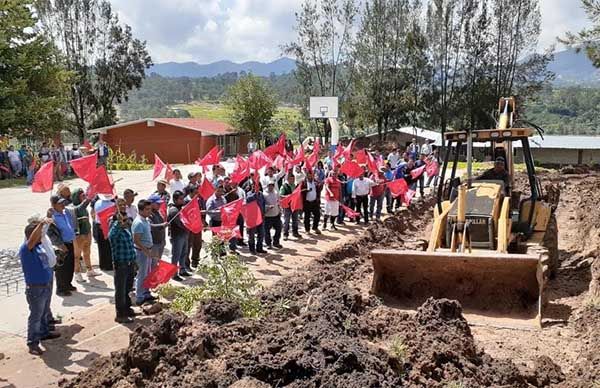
(57, 247)
(25, 161)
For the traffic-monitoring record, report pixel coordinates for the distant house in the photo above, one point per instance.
(552, 149)
(175, 140)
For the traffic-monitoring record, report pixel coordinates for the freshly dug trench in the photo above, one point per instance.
(328, 333)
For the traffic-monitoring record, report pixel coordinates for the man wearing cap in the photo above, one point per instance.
(35, 261)
(497, 173)
(142, 241)
(83, 232)
(124, 257)
(194, 178)
(158, 228)
(62, 234)
(161, 189)
(288, 215)
(131, 209)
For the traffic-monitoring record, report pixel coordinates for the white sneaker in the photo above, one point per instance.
(92, 273)
(79, 278)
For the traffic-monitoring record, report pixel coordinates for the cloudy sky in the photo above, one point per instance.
(205, 31)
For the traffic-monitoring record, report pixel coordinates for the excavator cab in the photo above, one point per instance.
(491, 247)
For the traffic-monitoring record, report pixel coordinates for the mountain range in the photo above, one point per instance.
(570, 67)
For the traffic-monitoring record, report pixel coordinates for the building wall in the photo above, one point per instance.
(171, 144)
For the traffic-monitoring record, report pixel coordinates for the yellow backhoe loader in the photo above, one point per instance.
(492, 247)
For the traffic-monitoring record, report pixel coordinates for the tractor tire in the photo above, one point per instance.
(550, 242)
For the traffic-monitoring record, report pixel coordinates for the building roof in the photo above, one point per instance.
(566, 142)
(210, 127)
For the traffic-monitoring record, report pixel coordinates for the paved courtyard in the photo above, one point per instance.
(89, 330)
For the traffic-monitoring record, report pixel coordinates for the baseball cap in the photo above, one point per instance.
(164, 182)
(193, 174)
(155, 198)
(55, 199)
(500, 159)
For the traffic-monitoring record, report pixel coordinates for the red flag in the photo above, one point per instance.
(432, 169)
(211, 158)
(314, 157)
(87, 144)
(293, 201)
(252, 214)
(163, 210)
(158, 166)
(349, 212)
(347, 152)
(380, 162)
(241, 170)
(43, 181)
(259, 159)
(161, 274)
(256, 181)
(408, 196)
(279, 162)
(398, 187)
(191, 217)
(85, 167)
(104, 216)
(101, 183)
(276, 149)
(230, 213)
(372, 164)
(206, 189)
(226, 233)
(352, 169)
(417, 172)
(361, 156)
(298, 158)
(169, 173)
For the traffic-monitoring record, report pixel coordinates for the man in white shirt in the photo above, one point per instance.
(176, 183)
(426, 148)
(270, 176)
(15, 161)
(299, 175)
(361, 187)
(394, 158)
(131, 209)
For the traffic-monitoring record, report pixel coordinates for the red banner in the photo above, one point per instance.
(230, 213)
(104, 216)
(191, 217)
(102, 184)
(347, 152)
(206, 189)
(432, 169)
(276, 149)
(252, 214)
(352, 169)
(169, 173)
(161, 274)
(163, 210)
(398, 187)
(259, 159)
(349, 212)
(225, 233)
(241, 170)
(417, 172)
(408, 196)
(43, 181)
(158, 167)
(293, 201)
(298, 157)
(85, 167)
(211, 158)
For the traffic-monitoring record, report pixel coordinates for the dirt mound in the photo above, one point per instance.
(319, 331)
(575, 170)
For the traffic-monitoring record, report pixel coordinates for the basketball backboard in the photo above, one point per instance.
(323, 107)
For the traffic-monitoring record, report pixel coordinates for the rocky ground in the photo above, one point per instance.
(322, 329)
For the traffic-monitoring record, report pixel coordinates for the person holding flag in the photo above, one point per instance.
(256, 234)
(377, 194)
(142, 241)
(311, 203)
(333, 189)
(102, 202)
(361, 187)
(158, 229)
(179, 236)
(288, 188)
(272, 217)
(195, 239)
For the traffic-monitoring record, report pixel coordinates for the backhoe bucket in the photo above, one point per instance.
(487, 284)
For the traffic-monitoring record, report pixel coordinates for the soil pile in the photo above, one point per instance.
(320, 330)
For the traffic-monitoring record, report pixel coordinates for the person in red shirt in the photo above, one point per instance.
(333, 189)
(377, 194)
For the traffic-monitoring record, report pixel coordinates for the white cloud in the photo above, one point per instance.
(244, 30)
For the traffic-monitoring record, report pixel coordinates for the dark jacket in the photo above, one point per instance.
(176, 228)
(251, 196)
(82, 216)
(158, 232)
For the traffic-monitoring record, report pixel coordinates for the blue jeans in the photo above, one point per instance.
(157, 251)
(37, 323)
(379, 202)
(255, 238)
(179, 248)
(144, 263)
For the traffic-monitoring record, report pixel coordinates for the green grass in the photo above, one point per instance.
(6, 183)
(216, 111)
(482, 166)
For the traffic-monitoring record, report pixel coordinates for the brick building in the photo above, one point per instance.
(175, 140)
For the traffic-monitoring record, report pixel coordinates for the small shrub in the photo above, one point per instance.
(187, 299)
(398, 349)
(117, 160)
(167, 291)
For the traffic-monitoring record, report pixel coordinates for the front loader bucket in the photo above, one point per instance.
(485, 283)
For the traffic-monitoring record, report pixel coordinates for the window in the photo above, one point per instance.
(229, 143)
